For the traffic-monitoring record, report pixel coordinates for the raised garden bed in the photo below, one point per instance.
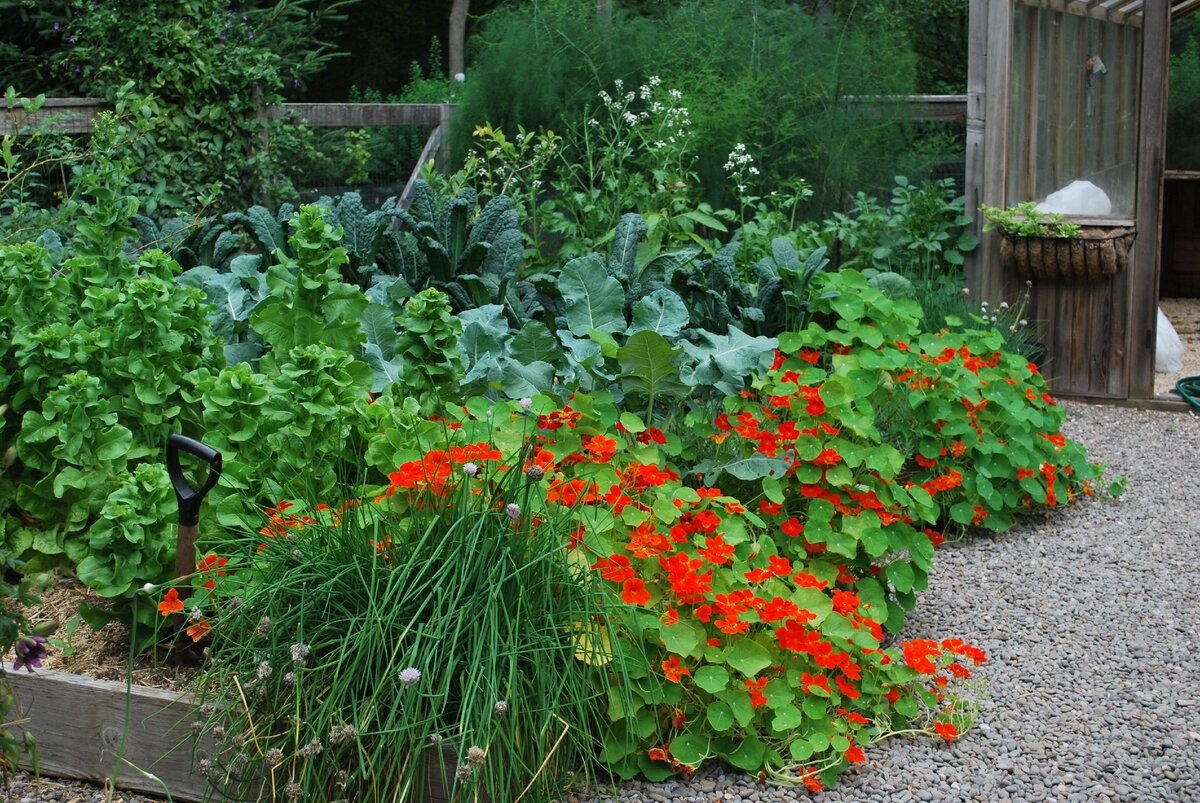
(96, 730)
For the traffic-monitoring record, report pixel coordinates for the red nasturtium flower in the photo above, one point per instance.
(599, 448)
(615, 568)
(946, 730)
(633, 591)
(171, 603)
(755, 687)
(658, 754)
(716, 551)
(918, 654)
(811, 781)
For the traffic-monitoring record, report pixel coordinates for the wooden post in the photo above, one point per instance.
(989, 81)
(442, 160)
(264, 138)
(976, 94)
(1143, 297)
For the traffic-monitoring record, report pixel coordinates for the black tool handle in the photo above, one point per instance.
(190, 498)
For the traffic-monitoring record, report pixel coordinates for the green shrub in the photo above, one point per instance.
(1183, 107)
(206, 69)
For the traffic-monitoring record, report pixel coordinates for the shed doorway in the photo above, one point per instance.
(1179, 271)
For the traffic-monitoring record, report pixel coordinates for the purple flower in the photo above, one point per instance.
(30, 652)
(410, 676)
(470, 469)
(526, 403)
(71, 38)
(57, 27)
(513, 510)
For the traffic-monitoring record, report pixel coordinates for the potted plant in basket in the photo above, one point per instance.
(1044, 245)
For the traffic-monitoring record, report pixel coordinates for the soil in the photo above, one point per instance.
(102, 654)
(1184, 315)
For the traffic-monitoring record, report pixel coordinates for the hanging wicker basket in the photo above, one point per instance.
(1095, 253)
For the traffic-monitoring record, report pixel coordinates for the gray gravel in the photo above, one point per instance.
(24, 788)
(1091, 621)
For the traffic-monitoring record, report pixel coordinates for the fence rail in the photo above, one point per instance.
(952, 108)
(77, 116)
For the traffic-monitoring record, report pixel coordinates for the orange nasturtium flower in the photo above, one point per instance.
(199, 630)
(212, 563)
(673, 670)
(171, 603)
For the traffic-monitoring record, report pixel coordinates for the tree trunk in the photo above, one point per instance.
(456, 40)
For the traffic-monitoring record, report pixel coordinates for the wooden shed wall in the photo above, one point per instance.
(1057, 136)
(1099, 335)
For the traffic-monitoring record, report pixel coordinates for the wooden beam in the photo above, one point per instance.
(432, 146)
(354, 115)
(1143, 297)
(1184, 7)
(80, 725)
(1129, 13)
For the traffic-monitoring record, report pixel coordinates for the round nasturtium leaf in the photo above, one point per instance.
(712, 678)
(748, 657)
(690, 749)
(720, 716)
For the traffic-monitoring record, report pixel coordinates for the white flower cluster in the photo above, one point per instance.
(740, 166)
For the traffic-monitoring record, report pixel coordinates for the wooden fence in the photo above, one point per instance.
(77, 115)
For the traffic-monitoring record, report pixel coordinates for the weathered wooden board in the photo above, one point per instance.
(1143, 299)
(80, 724)
(69, 115)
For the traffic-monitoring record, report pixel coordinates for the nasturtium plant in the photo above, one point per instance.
(762, 652)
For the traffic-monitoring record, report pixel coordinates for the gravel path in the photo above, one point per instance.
(1091, 620)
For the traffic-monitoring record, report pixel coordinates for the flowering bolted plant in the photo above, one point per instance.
(30, 650)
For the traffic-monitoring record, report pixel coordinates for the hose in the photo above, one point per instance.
(1189, 388)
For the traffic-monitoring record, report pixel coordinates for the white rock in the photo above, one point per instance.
(1168, 354)
(1077, 198)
